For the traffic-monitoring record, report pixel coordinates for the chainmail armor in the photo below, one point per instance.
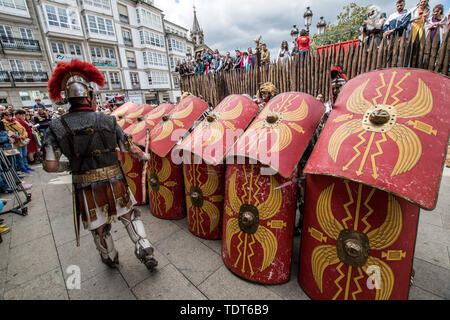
(87, 152)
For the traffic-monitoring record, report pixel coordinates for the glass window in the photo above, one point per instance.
(101, 25)
(17, 4)
(75, 49)
(63, 19)
(74, 20)
(26, 33)
(16, 65)
(58, 47)
(109, 27)
(25, 96)
(51, 15)
(36, 66)
(92, 24)
(134, 78)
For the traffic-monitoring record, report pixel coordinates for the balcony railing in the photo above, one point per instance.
(132, 64)
(20, 44)
(128, 42)
(107, 62)
(116, 85)
(4, 76)
(26, 76)
(123, 18)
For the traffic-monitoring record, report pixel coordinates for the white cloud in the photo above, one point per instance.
(234, 24)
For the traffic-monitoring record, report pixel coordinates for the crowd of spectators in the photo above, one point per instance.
(21, 133)
(209, 62)
(418, 21)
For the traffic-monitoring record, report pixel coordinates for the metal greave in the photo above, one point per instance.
(109, 254)
(136, 231)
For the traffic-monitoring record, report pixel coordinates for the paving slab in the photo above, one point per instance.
(2, 282)
(108, 285)
(167, 284)
(429, 232)
(133, 271)
(432, 278)
(30, 260)
(433, 218)
(48, 286)
(158, 229)
(416, 293)
(432, 251)
(29, 228)
(86, 257)
(224, 285)
(215, 245)
(190, 256)
(4, 246)
(63, 229)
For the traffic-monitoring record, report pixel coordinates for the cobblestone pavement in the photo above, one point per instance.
(36, 254)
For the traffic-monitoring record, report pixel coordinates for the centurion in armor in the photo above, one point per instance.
(89, 140)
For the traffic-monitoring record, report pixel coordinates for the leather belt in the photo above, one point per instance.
(98, 175)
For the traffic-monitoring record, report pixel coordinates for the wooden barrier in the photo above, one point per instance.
(309, 73)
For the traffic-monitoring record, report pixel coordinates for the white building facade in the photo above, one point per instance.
(128, 40)
(24, 66)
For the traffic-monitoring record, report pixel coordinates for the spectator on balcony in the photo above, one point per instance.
(419, 16)
(42, 119)
(207, 57)
(211, 68)
(398, 21)
(199, 68)
(252, 57)
(228, 63)
(38, 104)
(265, 55)
(437, 21)
(246, 62)
(283, 53)
(237, 62)
(180, 69)
(303, 42)
(218, 63)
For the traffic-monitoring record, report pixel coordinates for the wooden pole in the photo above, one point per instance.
(442, 51)
(434, 51)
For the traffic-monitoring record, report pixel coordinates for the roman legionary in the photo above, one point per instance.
(89, 140)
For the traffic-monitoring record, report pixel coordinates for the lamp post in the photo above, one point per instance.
(308, 18)
(321, 26)
(294, 34)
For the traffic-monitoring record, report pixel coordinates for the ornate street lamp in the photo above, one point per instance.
(308, 18)
(321, 26)
(294, 33)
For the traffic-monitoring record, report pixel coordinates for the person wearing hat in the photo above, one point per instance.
(89, 140)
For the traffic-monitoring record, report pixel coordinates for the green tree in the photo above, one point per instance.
(347, 28)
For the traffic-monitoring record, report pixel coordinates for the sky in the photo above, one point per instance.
(235, 24)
